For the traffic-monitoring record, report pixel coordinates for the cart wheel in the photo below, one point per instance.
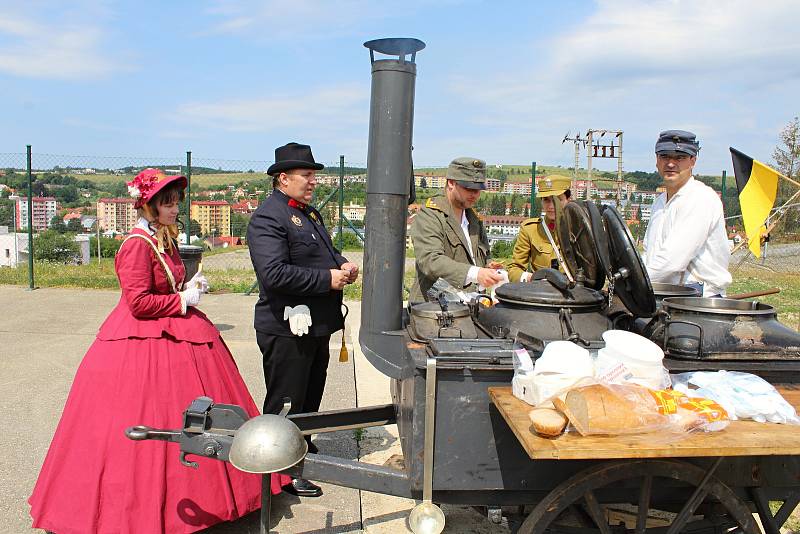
(586, 502)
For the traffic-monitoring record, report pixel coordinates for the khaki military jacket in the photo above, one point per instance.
(532, 251)
(440, 248)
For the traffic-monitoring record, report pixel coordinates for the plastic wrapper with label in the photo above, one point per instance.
(614, 409)
(743, 395)
(561, 366)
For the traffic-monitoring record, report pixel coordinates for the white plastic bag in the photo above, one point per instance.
(743, 395)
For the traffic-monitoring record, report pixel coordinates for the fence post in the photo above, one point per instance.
(724, 176)
(31, 283)
(341, 201)
(533, 188)
(188, 228)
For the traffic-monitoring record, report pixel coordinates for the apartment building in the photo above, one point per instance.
(214, 217)
(518, 188)
(116, 215)
(503, 224)
(43, 208)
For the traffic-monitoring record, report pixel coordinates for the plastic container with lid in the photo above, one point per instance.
(640, 356)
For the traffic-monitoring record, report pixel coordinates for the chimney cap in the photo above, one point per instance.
(395, 46)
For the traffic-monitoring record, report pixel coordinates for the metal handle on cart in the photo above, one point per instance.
(667, 337)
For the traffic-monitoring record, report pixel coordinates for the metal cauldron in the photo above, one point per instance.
(538, 310)
(696, 328)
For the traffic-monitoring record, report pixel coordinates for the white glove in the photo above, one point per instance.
(299, 319)
(199, 281)
(190, 297)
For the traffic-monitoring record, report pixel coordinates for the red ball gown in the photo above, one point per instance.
(151, 358)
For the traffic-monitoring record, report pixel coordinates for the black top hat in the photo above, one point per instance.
(293, 156)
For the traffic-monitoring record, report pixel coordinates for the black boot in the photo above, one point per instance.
(303, 488)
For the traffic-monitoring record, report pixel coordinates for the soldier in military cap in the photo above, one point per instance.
(300, 276)
(686, 242)
(448, 235)
(533, 250)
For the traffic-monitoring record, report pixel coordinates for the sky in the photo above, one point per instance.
(501, 81)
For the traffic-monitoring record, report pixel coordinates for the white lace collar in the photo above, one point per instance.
(144, 224)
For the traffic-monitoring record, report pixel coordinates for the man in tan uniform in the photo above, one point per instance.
(533, 248)
(449, 238)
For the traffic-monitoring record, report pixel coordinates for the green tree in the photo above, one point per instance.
(108, 246)
(55, 247)
(239, 222)
(350, 241)
(57, 225)
(503, 249)
(7, 213)
(787, 161)
(67, 194)
(423, 183)
(75, 226)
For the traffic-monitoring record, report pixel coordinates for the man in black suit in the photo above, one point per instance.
(300, 277)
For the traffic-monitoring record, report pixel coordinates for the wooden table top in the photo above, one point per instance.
(740, 438)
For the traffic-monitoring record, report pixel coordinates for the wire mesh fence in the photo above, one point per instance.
(84, 199)
(86, 196)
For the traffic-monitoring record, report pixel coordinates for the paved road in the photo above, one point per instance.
(43, 337)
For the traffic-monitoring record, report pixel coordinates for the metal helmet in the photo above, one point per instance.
(267, 444)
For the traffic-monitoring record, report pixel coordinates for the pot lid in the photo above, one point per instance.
(631, 281)
(600, 237)
(717, 306)
(578, 244)
(674, 290)
(432, 310)
(542, 292)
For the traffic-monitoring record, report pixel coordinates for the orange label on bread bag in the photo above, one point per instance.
(668, 401)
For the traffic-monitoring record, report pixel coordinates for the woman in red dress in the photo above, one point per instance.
(154, 354)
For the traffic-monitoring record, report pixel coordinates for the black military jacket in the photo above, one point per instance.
(292, 255)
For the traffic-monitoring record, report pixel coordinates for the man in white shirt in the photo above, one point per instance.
(686, 242)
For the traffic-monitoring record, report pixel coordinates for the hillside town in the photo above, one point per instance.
(219, 214)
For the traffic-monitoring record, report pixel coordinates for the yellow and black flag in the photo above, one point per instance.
(758, 186)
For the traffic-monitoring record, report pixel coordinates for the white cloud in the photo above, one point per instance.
(334, 108)
(658, 42)
(715, 68)
(52, 50)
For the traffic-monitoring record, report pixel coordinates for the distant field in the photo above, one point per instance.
(515, 173)
(202, 180)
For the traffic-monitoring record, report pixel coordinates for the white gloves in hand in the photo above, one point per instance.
(199, 281)
(299, 319)
(190, 297)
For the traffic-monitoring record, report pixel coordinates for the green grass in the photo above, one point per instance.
(201, 180)
(102, 276)
(793, 523)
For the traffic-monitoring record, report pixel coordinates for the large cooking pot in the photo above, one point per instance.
(428, 320)
(703, 328)
(539, 312)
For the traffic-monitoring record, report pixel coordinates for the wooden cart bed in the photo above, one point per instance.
(740, 438)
